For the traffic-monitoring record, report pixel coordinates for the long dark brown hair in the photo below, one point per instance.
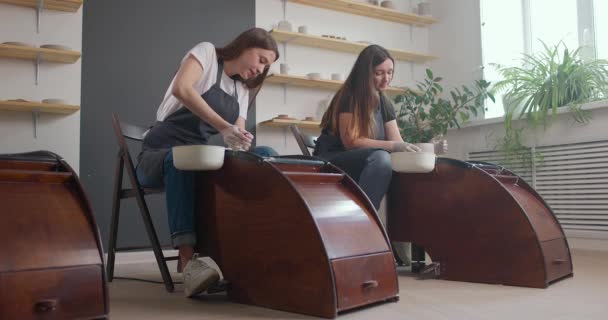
(252, 38)
(359, 93)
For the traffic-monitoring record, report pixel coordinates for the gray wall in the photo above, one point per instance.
(130, 52)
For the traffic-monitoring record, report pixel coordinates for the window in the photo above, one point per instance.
(510, 28)
(601, 28)
(500, 44)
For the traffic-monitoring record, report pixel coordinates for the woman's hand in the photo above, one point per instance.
(404, 147)
(441, 146)
(236, 138)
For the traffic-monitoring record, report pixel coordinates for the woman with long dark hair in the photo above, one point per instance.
(359, 127)
(209, 94)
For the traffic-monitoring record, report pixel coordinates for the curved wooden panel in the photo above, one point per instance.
(481, 227)
(275, 228)
(47, 232)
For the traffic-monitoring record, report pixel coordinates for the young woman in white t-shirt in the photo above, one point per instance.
(209, 94)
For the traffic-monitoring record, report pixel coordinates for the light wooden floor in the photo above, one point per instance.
(585, 296)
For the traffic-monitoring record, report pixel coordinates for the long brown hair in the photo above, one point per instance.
(359, 93)
(252, 38)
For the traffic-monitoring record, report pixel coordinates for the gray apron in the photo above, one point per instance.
(182, 127)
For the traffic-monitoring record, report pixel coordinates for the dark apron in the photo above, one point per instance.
(182, 127)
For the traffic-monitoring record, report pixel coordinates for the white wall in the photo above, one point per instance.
(456, 40)
(301, 102)
(57, 133)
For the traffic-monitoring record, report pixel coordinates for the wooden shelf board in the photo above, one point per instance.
(30, 53)
(369, 10)
(57, 5)
(342, 45)
(37, 106)
(320, 84)
(286, 123)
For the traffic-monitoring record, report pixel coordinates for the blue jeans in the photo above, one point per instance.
(369, 167)
(179, 190)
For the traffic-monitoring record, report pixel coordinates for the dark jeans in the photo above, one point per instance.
(369, 167)
(179, 189)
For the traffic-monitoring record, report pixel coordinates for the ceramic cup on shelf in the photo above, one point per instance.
(284, 25)
(314, 76)
(388, 4)
(284, 68)
(414, 9)
(424, 9)
(303, 29)
(337, 76)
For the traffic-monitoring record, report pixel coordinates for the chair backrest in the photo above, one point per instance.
(129, 131)
(304, 141)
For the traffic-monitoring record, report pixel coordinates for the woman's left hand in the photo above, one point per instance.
(441, 146)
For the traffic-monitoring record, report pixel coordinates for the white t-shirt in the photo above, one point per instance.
(204, 52)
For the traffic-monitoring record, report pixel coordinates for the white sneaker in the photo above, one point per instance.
(198, 276)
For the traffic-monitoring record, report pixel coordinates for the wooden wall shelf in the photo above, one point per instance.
(368, 10)
(57, 5)
(342, 45)
(38, 107)
(286, 123)
(31, 53)
(320, 84)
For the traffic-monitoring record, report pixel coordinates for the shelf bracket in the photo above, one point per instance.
(39, 7)
(35, 116)
(37, 67)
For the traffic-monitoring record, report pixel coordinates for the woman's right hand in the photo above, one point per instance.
(399, 146)
(236, 138)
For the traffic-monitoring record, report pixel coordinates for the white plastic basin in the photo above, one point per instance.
(198, 157)
(413, 162)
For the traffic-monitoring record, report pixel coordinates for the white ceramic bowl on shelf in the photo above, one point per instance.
(413, 162)
(20, 44)
(55, 47)
(21, 100)
(198, 157)
(54, 101)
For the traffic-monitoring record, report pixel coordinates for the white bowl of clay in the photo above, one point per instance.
(413, 162)
(198, 157)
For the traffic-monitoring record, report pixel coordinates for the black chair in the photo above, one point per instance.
(305, 141)
(123, 161)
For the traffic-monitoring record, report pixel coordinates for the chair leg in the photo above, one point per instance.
(115, 217)
(158, 253)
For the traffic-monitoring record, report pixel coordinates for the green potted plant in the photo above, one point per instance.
(424, 115)
(546, 81)
(540, 85)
